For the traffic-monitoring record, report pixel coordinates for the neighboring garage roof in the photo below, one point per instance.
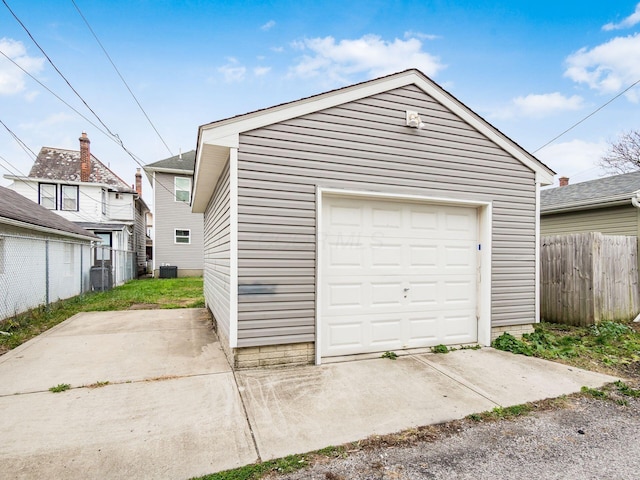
(603, 192)
(21, 212)
(216, 139)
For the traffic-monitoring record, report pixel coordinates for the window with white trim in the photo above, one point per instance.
(182, 189)
(103, 200)
(69, 200)
(182, 236)
(48, 195)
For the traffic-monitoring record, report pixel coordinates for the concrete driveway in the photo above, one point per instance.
(173, 409)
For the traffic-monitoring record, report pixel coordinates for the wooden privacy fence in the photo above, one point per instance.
(589, 277)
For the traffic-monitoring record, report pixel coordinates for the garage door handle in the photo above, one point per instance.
(406, 289)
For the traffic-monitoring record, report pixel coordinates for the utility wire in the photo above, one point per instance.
(57, 96)
(114, 136)
(587, 117)
(122, 78)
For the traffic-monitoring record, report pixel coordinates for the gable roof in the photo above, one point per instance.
(64, 165)
(603, 192)
(183, 162)
(216, 139)
(21, 212)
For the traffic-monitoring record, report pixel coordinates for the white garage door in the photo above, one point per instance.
(396, 275)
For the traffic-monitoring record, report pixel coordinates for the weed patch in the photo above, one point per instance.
(610, 347)
(98, 384)
(592, 392)
(390, 355)
(440, 349)
(626, 390)
(61, 387)
(505, 413)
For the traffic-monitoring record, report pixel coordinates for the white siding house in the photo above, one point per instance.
(75, 185)
(43, 257)
(178, 232)
(381, 216)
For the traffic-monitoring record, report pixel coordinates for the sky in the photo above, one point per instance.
(533, 69)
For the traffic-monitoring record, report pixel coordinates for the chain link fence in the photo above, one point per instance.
(36, 271)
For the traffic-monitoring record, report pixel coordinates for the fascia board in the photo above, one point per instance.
(38, 228)
(588, 204)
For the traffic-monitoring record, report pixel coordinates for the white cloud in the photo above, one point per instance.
(277, 49)
(49, 121)
(268, 26)
(260, 71)
(420, 35)
(539, 105)
(609, 67)
(12, 79)
(576, 159)
(370, 54)
(628, 22)
(233, 71)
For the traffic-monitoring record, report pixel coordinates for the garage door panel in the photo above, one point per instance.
(396, 275)
(346, 295)
(386, 332)
(423, 330)
(384, 294)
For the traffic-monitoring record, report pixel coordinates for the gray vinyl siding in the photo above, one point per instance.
(169, 216)
(362, 145)
(217, 253)
(621, 220)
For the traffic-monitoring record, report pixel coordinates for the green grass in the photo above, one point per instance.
(288, 464)
(502, 413)
(151, 293)
(611, 347)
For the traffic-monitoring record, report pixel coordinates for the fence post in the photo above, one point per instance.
(46, 275)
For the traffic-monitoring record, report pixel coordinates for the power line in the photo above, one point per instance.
(114, 136)
(121, 77)
(56, 95)
(588, 116)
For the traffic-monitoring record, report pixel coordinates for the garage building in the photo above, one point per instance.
(383, 216)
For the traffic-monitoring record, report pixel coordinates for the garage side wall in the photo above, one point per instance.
(365, 145)
(217, 243)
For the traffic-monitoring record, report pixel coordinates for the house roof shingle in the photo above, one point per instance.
(14, 206)
(593, 193)
(64, 165)
(184, 161)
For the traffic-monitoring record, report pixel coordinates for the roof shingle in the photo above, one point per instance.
(602, 190)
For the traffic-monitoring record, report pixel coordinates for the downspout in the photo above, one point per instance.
(635, 201)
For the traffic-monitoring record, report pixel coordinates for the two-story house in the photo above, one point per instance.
(79, 187)
(177, 232)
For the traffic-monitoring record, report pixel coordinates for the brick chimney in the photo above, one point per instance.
(138, 182)
(564, 181)
(85, 158)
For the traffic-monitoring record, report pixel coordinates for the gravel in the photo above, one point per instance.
(588, 439)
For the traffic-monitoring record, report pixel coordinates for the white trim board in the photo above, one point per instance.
(484, 263)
